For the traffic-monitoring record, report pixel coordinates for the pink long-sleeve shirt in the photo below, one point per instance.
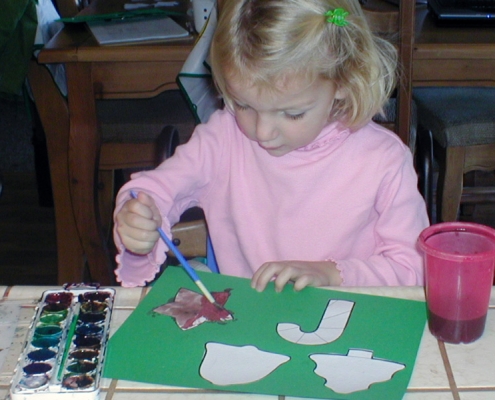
(349, 197)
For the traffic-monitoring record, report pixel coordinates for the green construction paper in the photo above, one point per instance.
(150, 347)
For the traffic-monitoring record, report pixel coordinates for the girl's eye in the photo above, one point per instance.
(240, 107)
(295, 116)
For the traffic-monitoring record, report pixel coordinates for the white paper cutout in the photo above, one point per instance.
(331, 326)
(232, 365)
(225, 364)
(354, 372)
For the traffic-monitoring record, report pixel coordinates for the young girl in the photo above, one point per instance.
(296, 182)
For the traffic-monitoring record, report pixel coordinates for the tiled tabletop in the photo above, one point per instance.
(442, 371)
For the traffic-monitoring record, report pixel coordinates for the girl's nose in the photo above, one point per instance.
(265, 129)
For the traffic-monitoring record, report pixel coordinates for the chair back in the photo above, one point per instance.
(396, 23)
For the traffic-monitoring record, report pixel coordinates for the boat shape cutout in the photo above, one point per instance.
(356, 371)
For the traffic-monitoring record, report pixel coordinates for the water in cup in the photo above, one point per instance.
(459, 266)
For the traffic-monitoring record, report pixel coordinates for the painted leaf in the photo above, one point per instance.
(191, 309)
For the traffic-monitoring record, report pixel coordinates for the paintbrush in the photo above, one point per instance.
(185, 264)
(68, 341)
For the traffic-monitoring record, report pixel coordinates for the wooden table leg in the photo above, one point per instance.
(54, 115)
(84, 148)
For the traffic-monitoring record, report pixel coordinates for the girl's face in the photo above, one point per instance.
(283, 120)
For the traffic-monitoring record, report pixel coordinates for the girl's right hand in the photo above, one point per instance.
(137, 224)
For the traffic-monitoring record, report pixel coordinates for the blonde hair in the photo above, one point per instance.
(266, 41)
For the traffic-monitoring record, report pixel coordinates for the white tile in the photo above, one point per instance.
(26, 315)
(172, 392)
(9, 317)
(118, 318)
(124, 385)
(400, 292)
(18, 342)
(429, 371)
(473, 364)
(127, 297)
(481, 395)
(428, 396)
(145, 391)
(191, 396)
(31, 294)
(407, 396)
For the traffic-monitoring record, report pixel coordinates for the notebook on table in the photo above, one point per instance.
(135, 30)
(469, 12)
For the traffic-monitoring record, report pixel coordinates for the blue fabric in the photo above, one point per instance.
(210, 256)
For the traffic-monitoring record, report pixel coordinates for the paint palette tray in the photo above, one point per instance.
(65, 347)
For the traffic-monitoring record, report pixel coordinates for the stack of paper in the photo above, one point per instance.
(137, 29)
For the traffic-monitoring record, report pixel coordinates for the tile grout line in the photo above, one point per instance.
(448, 370)
(111, 389)
(144, 292)
(477, 389)
(430, 390)
(6, 292)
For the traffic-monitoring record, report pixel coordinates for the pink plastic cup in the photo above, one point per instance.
(459, 266)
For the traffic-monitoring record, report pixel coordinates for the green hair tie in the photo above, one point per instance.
(337, 16)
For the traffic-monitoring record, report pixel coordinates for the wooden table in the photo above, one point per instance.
(452, 56)
(442, 56)
(442, 371)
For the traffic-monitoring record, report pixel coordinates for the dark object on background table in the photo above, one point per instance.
(477, 13)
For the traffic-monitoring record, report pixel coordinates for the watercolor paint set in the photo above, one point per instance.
(66, 344)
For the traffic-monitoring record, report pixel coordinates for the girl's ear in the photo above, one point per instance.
(341, 93)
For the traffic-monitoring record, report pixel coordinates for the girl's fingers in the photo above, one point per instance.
(145, 206)
(263, 275)
(301, 273)
(138, 240)
(137, 221)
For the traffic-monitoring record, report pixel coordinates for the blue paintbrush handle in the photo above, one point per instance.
(191, 272)
(178, 254)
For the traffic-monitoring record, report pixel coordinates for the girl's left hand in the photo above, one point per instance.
(302, 273)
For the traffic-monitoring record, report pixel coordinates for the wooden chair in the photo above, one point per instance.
(130, 139)
(457, 129)
(134, 135)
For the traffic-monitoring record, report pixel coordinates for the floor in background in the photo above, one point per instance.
(28, 254)
(16, 148)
